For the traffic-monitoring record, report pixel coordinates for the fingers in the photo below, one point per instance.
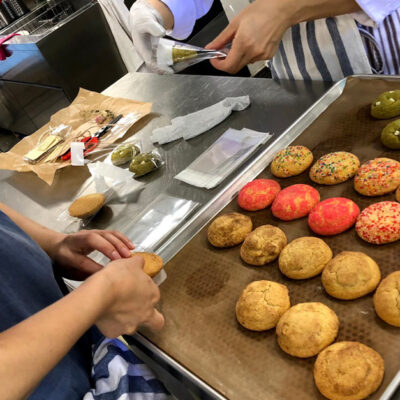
(137, 261)
(87, 267)
(223, 38)
(123, 239)
(95, 241)
(156, 321)
(119, 244)
(234, 61)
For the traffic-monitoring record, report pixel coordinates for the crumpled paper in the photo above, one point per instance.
(196, 123)
(81, 125)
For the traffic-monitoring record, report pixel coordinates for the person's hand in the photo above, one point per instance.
(70, 251)
(255, 34)
(147, 27)
(130, 297)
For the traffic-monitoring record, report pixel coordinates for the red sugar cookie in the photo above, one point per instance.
(333, 216)
(258, 194)
(379, 223)
(294, 202)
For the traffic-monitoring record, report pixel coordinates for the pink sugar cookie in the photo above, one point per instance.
(333, 216)
(258, 194)
(294, 202)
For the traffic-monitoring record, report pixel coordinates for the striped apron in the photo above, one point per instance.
(333, 48)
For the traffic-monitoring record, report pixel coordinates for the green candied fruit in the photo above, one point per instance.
(144, 163)
(179, 54)
(390, 135)
(387, 105)
(124, 153)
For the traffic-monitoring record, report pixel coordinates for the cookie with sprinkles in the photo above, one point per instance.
(377, 177)
(333, 216)
(291, 161)
(334, 168)
(379, 223)
(398, 194)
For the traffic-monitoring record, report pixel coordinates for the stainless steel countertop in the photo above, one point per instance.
(274, 107)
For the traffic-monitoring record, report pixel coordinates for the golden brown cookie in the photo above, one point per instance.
(307, 328)
(291, 161)
(304, 258)
(152, 263)
(398, 194)
(229, 229)
(334, 168)
(348, 371)
(87, 206)
(351, 275)
(387, 299)
(261, 304)
(377, 177)
(263, 245)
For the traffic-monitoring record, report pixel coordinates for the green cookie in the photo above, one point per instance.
(390, 135)
(144, 163)
(387, 105)
(124, 153)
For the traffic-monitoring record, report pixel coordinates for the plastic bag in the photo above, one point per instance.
(178, 56)
(222, 157)
(116, 184)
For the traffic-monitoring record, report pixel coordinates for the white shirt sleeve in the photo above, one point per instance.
(186, 13)
(375, 11)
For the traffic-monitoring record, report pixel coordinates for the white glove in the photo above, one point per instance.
(147, 29)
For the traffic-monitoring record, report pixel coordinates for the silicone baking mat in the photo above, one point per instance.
(204, 283)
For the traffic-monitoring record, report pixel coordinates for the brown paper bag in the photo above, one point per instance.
(79, 117)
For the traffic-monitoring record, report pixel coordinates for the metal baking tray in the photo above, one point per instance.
(202, 338)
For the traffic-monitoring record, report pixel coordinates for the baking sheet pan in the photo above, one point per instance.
(204, 283)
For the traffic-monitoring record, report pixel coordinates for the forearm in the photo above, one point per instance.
(46, 238)
(306, 10)
(30, 349)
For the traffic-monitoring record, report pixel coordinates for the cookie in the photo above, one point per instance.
(291, 161)
(386, 105)
(334, 168)
(398, 194)
(387, 299)
(390, 136)
(351, 275)
(379, 223)
(348, 371)
(333, 216)
(258, 194)
(261, 304)
(263, 245)
(304, 258)
(87, 206)
(152, 263)
(229, 230)
(294, 202)
(377, 177)
(306, 329)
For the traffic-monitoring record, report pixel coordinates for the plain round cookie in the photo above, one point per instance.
(261, 304)
(334, 168)
(87, 206)
(348, 371)
(263, 245)
(307, 328)
(295, 201)
(291, 161)
(379, 223)
(377, 177)
(228, 230)
(387, 299)
(152, 263)
(386, 105)
(350, 275)
(304, 257)
(333, 216)
(258, 194)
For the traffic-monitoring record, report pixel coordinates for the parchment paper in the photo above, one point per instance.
(77, 115)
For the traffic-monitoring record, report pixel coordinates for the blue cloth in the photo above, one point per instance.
(27, 286)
